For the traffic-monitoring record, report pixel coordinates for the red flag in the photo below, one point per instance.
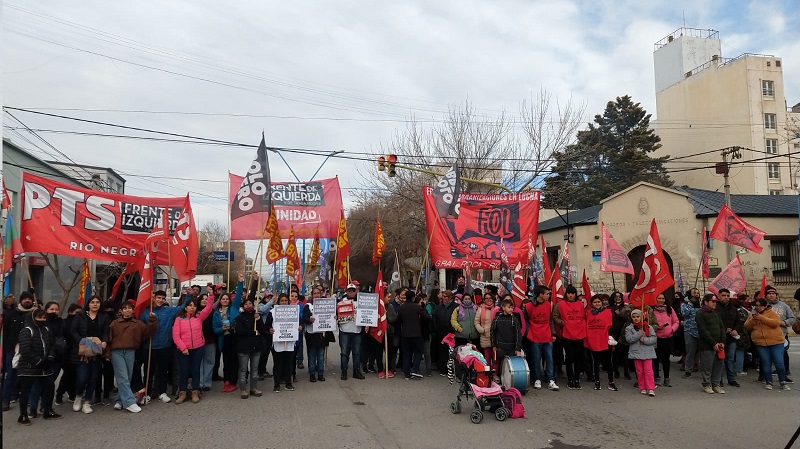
(130, 268)
(730, 228)
(520, 287)
(275, 246)
(184, 247)
(342, 252)
(732, 278)
(6, 203)
(158, 236)
(379, 331)
(763, 292)
(705, 254)
(587, 291)
(548, 274)
(292, 259)
(557, 287)
(145, 285)
(655, 277)
(612, 257)
(379, 245)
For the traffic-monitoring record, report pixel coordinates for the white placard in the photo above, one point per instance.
(367, 309)
(285, 320)
(324, 312)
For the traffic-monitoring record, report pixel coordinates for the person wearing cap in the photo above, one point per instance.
(711, 344)
(642, 340)
(349, 333)
(764, 327)
(787, 320)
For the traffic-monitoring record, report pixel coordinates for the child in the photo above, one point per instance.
(642, 338)
(598, 326)
(187, 333)
(126, 334)
(506, 334)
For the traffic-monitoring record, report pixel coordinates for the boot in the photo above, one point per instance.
(344, 374)
(667, 383)
(256, 392)
(244, 394)
(195, 396)
(181, 397)
(357, 374)
(24, 420)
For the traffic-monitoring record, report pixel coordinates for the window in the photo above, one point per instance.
(785, 260)
(774, 171)
(769, 121)
(776, 192)
(768, 88)
(772, 146)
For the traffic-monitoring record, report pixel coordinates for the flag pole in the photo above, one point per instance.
(228, 279)
(425, 264)
(149, 353)
(30, 280)
(697, 276)
(260, 249)
(335, 254)
(613, 282)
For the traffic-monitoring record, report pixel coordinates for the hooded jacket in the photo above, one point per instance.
(767, 330)
(639, 350)
(36, 350)
(13, 322)
(187, 332)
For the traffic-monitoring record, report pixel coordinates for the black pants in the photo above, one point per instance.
(394, 346)
(443, 354)
(366, 352)
(230, 360)
(663, 351)
(374, 353)
(558, 355)
(500, 355)
(602, 358)
(262, 362)
(26, 384)
(67, 382)
(412, 354)
(105, 381)
(160, 366)
(574, 359)
(282, 366)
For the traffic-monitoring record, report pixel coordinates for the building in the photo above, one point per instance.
(681, 213)
(706, 102)
(99, 178)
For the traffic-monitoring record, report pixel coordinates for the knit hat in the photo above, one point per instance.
(636, 312)
(770, 288)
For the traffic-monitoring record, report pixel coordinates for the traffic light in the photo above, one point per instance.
(392, 161)
(381, 163)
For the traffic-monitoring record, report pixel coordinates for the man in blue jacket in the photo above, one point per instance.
(162, 347)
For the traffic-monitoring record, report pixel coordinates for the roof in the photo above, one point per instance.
(707, 203)
(93, 167)
(586, 215)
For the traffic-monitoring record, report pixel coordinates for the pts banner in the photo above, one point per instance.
(60, 218)
(474, 238)
(307, 207)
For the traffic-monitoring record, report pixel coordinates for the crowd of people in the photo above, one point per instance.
(102, 348)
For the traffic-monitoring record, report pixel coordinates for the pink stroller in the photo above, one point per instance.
(476, 383)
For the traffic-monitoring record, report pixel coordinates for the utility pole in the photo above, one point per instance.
(724, 169)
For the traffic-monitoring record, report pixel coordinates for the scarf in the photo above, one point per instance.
(465, 304)
(597, 311)
(24, 310)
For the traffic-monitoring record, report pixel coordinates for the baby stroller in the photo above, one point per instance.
(476, 383)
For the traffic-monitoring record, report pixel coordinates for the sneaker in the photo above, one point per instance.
(164, 398)
(390, 375)
(276, 389)
(643, 392)
(133, 408)
(718, 390)
(743, 373)
(708, 389)
(76, 405)
(651, 393)
(359, 375)
(597, 385)
(687, 374)
(578, 385)
(371, 370)
(256, 392)
(117, 406)
(290, 387)
(570, 385)
(552, 386)
(416, 376)
(24, 420)
(789, 381)
(51, 415)
(537, 385)
(612, 386)
(768, 386)
(301, 366)
(59, 400)
(381, 375)
(86, 408)
(244, 394)
(667, 383)
(785, 387)
(321, 378)
(734, 384)
(312, 379)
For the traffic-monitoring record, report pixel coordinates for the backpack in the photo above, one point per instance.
(17, 355)
(512, 400)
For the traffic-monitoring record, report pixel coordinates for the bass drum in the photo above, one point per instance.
(516, 374)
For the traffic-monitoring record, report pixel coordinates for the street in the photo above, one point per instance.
(399, 413)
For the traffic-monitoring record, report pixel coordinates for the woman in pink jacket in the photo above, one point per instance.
(666, 325)
(187, 333)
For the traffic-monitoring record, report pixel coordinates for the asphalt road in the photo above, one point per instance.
(399, 413)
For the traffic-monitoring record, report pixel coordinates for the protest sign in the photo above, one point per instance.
(324, 312)
(285, 321)
(367, 309)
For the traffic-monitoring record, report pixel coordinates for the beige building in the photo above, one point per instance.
(706, 102)
(680, 214)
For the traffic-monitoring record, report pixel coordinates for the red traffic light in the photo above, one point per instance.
(381, 163)
(392, 158)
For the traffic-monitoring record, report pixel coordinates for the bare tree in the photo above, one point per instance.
(64, 282)
(213, 233)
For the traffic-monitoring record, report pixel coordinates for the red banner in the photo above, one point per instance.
(730, 228)
(60, 218)
(655, 277)
(732, 278)
(612, 257)
(484, 221)
(309, 207)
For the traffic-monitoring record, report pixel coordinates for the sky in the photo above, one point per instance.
(328, 76)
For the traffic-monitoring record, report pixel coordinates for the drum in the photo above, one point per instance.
(516, 374)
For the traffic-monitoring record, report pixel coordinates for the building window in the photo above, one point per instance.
(785, 261)
(768, 88)
(769, 121)
(774, 170)
(776, 192)
(772, 146)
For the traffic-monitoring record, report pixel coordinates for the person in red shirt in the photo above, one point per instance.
(540, 337)
(598, 326)
(570, 316)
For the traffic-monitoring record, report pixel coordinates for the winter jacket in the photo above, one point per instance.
(507, 332)
(767, 330)
(410, 317)
(13, 322)
(232, 311)
(248, 332)
(208, 329)
(165, 315)
(57, 328)
(710, 328)
(187, 332)
(541, 327)
(483, 324)
(465, 325)
(730, 319)
(689, 312)
(129, 333)
(36, 350)
(637, 349)
(621, 314)
(441, 317)
(664, 317)
(82, 327)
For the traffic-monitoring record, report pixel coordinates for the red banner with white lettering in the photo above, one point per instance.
(732, 278)
(312, 208)
(60, 218)
(484, 222)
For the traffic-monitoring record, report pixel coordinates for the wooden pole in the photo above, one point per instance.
(613, 282)
(228, 279)
(697, 275)
(30, 280)
(425, 264)
(335, 254)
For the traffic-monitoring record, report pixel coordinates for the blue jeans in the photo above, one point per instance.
(316, 361)
(207, 366)
(122, 361)
(350, 343)
(9, 376)
(86, 378)
(189, 365)
(734, 360)
(769, 355)
(540, 350)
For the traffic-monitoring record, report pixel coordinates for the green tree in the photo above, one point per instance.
(609, 156)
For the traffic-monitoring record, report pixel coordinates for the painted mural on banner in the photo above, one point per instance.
(59, 218)
(311, 208)
(484, 221)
